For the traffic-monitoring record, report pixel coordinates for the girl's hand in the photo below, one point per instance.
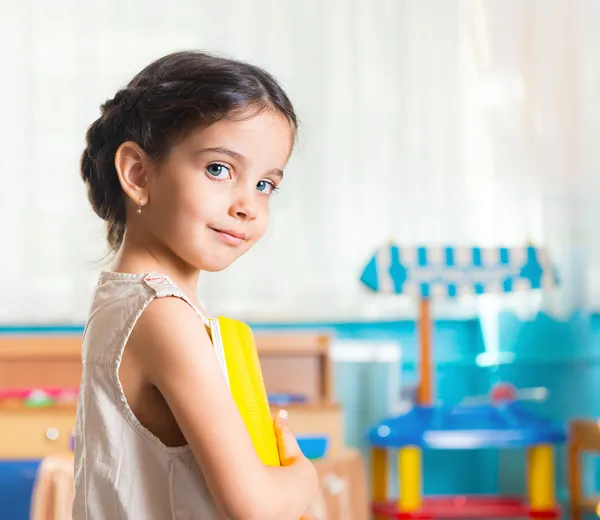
(289, 451)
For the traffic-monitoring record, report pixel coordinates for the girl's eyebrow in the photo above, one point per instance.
(226, 151)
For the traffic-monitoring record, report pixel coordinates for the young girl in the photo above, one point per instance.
(181, 165)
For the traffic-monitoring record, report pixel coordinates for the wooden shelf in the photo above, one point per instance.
(292, 344)
(590, 503)
(585, 433)
(32, 361)
(24, 434)
(297, 363)
(310, 406)
(17, 348)
(10, 409)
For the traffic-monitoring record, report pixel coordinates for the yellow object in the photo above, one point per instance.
(540, 462)
(379, 473)
(409, 476)
(379, 476)
(235, 347)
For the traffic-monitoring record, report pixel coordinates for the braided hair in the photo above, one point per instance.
(168, 99)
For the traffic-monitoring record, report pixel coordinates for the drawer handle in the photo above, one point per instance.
(52, 434)
(334, 484)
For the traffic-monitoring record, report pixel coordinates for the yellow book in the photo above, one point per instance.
(235, 347)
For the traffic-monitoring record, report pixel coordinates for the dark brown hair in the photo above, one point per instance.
(160, 106)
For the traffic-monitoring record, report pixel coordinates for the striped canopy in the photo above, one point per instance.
(456, 271)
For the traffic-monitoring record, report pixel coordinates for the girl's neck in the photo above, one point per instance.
(135, 257)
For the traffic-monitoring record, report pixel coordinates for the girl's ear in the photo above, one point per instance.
(131, 165)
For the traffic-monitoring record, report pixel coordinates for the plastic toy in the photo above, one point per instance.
(313, 446)
(502, 423)
(37, 397)
(285, 399)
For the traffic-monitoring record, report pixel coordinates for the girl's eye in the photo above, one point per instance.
(218, 171)
(266, 187)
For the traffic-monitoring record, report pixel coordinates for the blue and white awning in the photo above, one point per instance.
(458, 271)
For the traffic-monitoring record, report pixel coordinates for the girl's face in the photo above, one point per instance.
(208, 200)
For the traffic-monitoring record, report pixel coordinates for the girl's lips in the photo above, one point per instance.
(230, 237)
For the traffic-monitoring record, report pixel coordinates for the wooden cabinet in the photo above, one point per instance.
(584, 440)
(291, 363)
(343, 488)
(297, 363)
(35, 361)
(317, 419)
(33, 434)
(300, 363)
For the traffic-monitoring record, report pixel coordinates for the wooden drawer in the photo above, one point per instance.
(343, 488)
(33, 434)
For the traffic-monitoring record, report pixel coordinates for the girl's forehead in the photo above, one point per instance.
(265, 124)
(255, 135)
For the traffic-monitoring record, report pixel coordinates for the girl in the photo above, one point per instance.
(181, 165)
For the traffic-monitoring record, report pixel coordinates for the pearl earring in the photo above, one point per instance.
(139, 210)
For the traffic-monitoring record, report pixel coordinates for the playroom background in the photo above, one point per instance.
(430, 130)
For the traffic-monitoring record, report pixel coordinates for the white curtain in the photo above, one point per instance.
(460, 122)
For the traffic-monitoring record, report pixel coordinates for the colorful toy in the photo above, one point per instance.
(313, 446)
(285, 399)
(38, 397)
(505, 423)
(503, 392)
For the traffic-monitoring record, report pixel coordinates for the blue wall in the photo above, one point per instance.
(561, 355)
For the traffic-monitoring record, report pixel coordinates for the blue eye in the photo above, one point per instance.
(218, 171)
(266, 187)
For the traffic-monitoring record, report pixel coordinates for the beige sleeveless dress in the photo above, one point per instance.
(123, 471)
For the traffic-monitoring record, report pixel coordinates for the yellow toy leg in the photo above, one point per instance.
(379, 475)
(409, 477)
(541, 477)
